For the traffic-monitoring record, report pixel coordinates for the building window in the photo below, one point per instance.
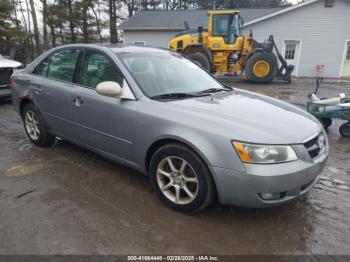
(348, 53)
(290, 51)
(140, 43)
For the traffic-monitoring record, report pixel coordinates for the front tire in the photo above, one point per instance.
(181, 179)
(35, 126)
(261, 68)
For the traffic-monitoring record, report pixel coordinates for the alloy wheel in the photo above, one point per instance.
(177, 180)
(32, 125)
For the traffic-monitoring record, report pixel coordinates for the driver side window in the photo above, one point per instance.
(97, 68)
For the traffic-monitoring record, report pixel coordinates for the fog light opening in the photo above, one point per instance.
(272, 196)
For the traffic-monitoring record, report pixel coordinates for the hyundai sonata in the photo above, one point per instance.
(157, 112)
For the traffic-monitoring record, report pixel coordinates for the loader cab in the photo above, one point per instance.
(225, 24)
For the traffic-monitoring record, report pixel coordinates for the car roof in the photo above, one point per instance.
(120, 48)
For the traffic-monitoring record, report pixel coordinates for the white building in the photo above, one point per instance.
(312, 34)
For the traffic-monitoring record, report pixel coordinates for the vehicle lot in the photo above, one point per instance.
(66, 200)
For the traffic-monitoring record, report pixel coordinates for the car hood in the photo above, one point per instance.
(249, 117)
(5, 63)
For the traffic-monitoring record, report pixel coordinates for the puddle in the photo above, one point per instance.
(23, 170)
(333, 182)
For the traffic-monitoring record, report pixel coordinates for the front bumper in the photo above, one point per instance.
(291, 179)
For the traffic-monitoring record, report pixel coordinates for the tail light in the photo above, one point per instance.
(10, 83)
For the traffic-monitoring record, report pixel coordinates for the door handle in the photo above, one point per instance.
(78, 101)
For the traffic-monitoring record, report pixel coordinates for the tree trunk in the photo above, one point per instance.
(29, 32)
(61, 35)
(145, 5)
(53, 35)
(85, 24)
(113, 21)
(45, 42)
(36, 30)
(71, 22)
(131, 8)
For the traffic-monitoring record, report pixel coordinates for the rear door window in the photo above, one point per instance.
(98, 68)
(59, 66)
(41, 69)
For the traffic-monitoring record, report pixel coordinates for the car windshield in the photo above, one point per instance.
(166, 73)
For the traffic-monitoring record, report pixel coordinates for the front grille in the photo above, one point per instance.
(315, 145)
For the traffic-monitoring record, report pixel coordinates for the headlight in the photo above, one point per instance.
(264, 154)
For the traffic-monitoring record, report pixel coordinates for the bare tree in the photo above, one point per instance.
(97, 18)
(29, 30)
(132, 5)
(36, 29)
(45, 40)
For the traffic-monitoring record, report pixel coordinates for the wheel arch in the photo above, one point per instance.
(198, 48)
(171, 140)
(23, 102)
(165, 141)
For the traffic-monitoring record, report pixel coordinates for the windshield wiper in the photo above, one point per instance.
(214, 90)
(174, 96)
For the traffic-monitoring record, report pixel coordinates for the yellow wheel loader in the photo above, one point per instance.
(223, 50)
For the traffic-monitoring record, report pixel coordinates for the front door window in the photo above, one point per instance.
(97, 68)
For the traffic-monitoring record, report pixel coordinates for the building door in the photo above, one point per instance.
(346, 61)
(290, 52)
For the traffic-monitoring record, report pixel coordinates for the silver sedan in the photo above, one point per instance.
(163, 115)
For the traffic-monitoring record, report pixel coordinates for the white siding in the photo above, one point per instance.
(152, 38)
(323, 32)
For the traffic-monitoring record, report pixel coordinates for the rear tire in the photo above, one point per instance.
(344, 130)
(261, 68)
(201, 60)
(181, 179)
(35, 126)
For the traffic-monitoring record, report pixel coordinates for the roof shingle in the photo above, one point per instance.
(174, 20)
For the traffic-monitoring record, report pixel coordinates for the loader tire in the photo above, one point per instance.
(201, 60)
(261, 68)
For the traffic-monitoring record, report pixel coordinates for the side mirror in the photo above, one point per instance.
(109, 88)
(200, 29)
